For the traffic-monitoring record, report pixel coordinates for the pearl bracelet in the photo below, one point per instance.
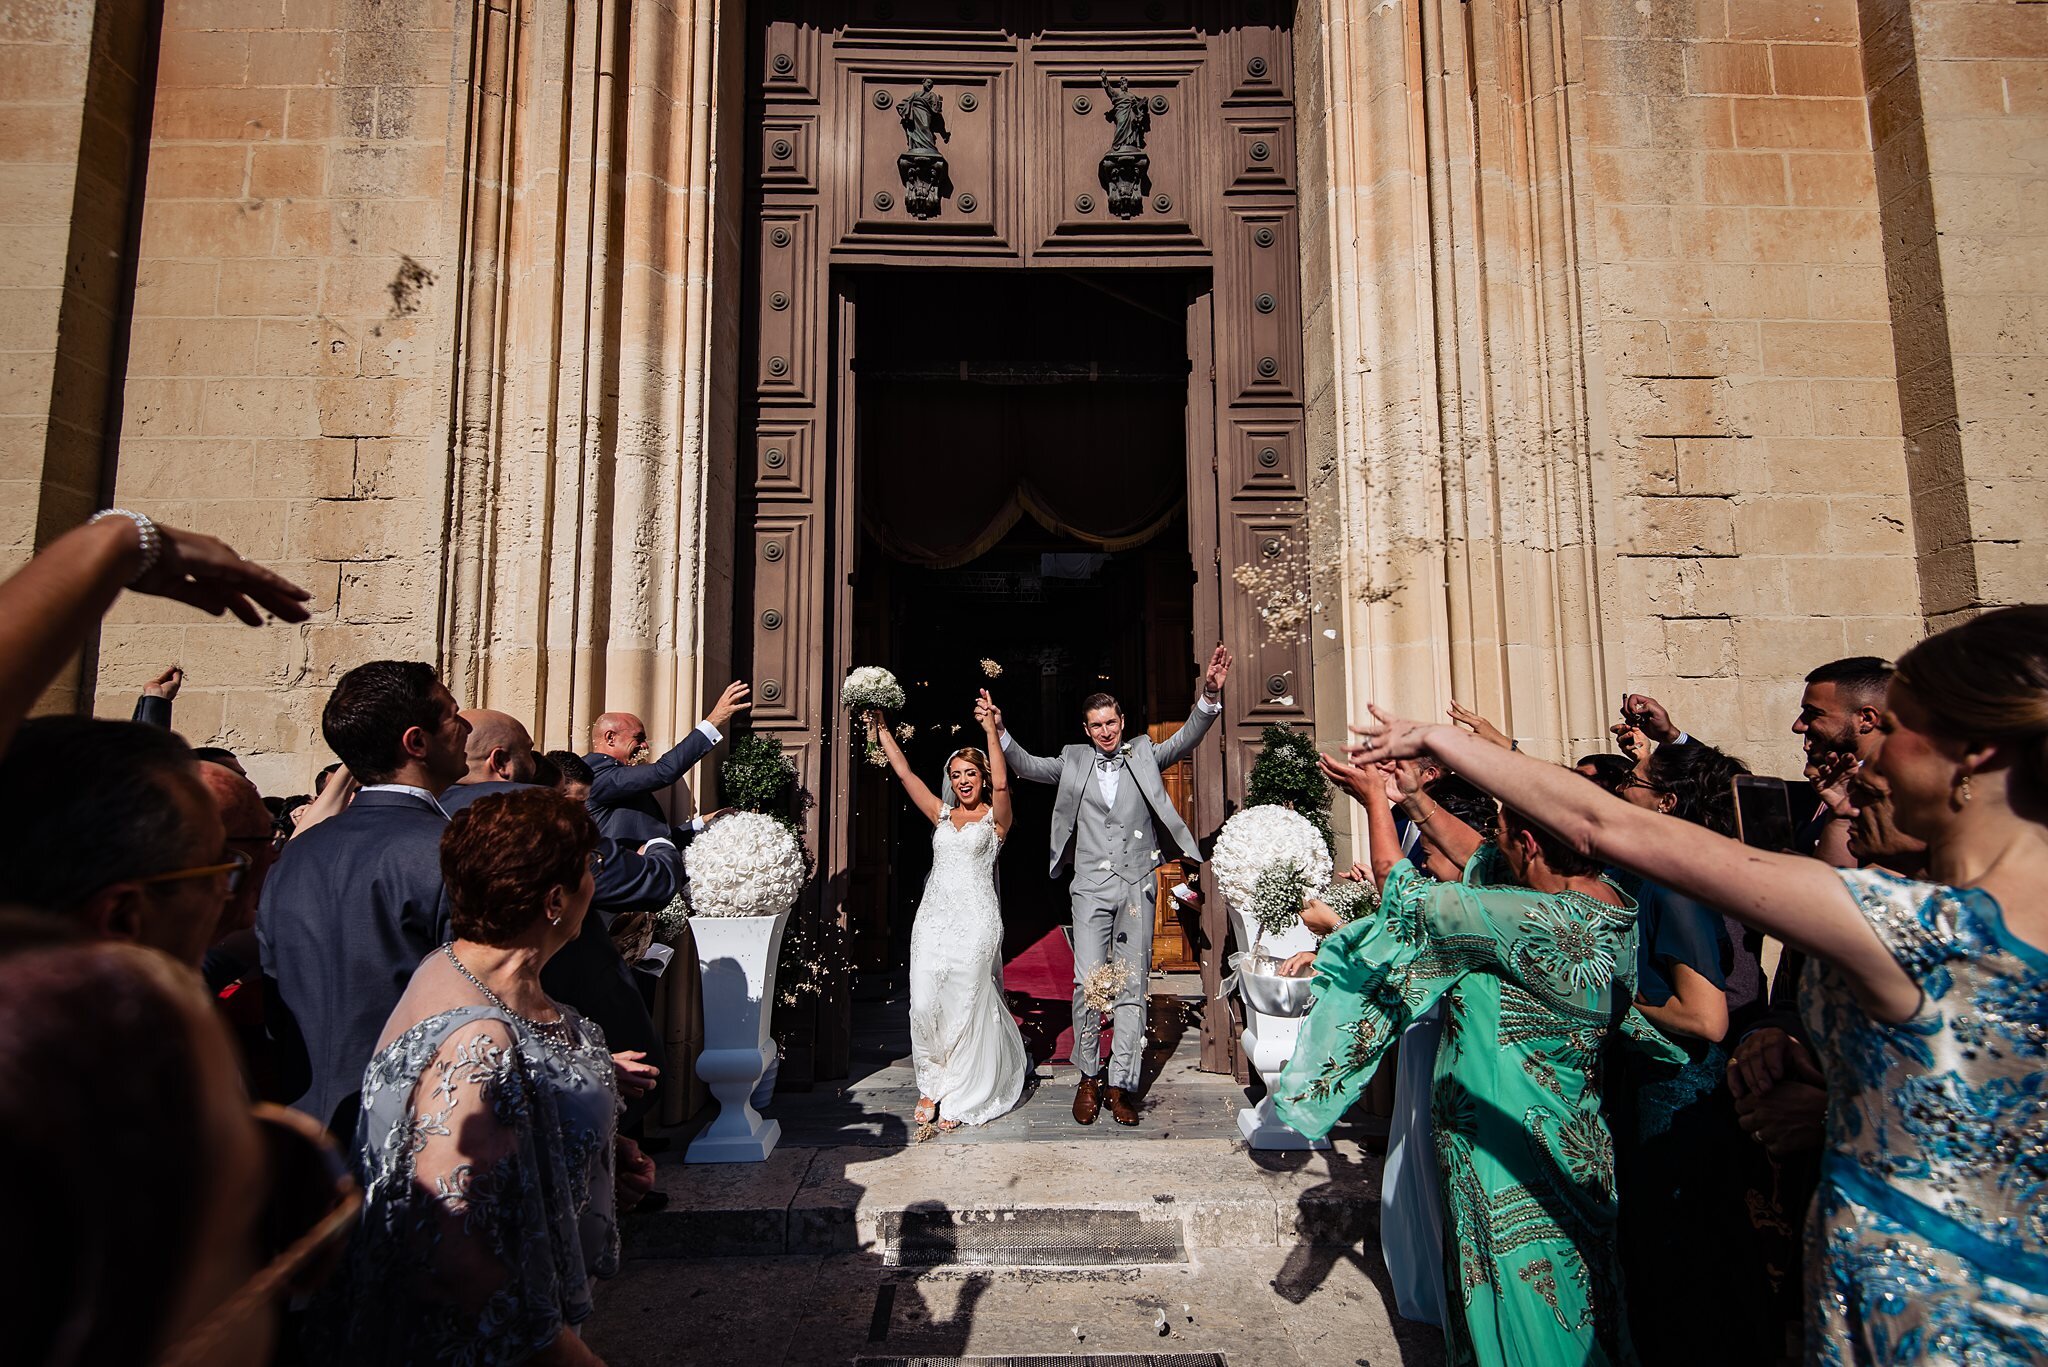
(152, 539)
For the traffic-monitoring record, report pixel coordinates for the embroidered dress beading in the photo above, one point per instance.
(1928, 1242)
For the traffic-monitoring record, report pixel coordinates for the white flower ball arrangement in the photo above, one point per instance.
(745, 864)
(1273, 843)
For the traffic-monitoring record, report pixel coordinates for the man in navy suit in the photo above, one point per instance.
(623, 781)
(357, 901)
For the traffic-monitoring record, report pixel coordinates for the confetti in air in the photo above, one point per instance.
(1277, 587)
(992, 669)
(1104, 986)
(904, 732)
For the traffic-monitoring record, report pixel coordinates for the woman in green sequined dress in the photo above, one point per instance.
(1535, 961)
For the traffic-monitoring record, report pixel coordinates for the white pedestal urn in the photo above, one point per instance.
(745, 872)
(1256, 844)
(736, 956)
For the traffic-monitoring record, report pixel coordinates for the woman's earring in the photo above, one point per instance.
(554, 920)
(1964, 798)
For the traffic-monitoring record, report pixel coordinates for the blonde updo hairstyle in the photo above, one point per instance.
(1987, 680)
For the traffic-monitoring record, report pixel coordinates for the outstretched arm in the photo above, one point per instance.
(926, 800)
(998, 776)
(1799, 900)
(1370, 791)
(49, 608)
(1022, 762)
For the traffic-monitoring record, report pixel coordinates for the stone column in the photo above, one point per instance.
(1455, 505)
(592, 356)
(1958, 96)
(71, 94)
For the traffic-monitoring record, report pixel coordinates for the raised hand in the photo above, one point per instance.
(734, 700)
(1631, 742)
(1218, 670)
(1479, 726)
(165, 685)
(1351, 778)
(988, 714)
(1390, 737)
(1834, 779)
(206, 573)
(1647, 715)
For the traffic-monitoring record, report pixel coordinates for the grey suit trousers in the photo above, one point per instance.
(1113, 924)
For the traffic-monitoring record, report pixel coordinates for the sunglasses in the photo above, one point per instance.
(311, 1206)
(235, 866)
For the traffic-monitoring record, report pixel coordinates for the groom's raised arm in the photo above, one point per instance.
(1022, 762)
(1208, 706)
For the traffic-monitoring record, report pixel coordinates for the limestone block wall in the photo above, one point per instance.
(1613, 392)
(282, 380)
(1758, 459)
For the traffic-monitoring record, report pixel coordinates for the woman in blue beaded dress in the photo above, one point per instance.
(1928, 1242)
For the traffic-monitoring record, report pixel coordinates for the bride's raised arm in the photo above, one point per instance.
(998, 772)
(927, 801)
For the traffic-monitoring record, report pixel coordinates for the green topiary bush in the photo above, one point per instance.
(1285, 773)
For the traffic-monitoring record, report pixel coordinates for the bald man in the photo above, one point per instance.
(623, 781)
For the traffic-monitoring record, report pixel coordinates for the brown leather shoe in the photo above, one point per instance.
(1121, 1109)
(1086, 1103)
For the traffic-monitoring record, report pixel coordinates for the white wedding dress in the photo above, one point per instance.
(969, 1055)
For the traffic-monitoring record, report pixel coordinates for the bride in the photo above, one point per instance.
(970, 1057)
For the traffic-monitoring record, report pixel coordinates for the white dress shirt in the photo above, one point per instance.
(1110, 768)
(421, 793)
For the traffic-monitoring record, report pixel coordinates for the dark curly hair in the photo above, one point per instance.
(503, 854)
(1458, 797)
(1699, 778)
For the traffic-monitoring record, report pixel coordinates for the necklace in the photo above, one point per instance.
(557, 1029)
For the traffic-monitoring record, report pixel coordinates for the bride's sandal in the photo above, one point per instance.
(926, 1112)
(948, 1126)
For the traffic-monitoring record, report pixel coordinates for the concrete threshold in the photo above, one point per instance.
(851, 1198)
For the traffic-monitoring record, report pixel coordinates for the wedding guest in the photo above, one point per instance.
(107, 825)
(1922, 997)
(575, 774)
(52, 604)
(587, 973)
(356, 900)
(489, 1117)
(151, 1217)
(623, 778)
(1534, 959)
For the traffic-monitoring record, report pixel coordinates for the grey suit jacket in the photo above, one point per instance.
(1076, 765)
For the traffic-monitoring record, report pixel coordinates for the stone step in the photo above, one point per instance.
(1209, 1193)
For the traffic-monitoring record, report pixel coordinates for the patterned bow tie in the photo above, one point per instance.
(1106, 764)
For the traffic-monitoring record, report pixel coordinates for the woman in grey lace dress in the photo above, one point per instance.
(485, 1146)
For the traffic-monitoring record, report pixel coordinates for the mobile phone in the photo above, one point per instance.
(1763, 811)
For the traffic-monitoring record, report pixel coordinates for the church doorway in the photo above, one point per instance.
(1023, 528)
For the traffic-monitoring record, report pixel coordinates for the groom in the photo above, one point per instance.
(1107, 825)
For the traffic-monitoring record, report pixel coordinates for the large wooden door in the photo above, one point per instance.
(898, 134)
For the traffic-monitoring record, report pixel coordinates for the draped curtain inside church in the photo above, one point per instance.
(950, 465)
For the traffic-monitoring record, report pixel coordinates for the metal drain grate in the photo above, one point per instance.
(1027, 1238)
(1066, 1360)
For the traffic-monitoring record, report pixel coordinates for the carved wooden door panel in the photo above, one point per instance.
(1090, 135)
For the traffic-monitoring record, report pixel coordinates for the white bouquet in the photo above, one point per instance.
(1350, 900)
(745, 864)
(871, 688)
(1275, 846)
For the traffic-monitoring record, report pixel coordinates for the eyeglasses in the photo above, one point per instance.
(234, 866)
(311, 1205)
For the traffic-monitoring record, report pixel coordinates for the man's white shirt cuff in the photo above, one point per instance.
(1212, 708)
(710, 732)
